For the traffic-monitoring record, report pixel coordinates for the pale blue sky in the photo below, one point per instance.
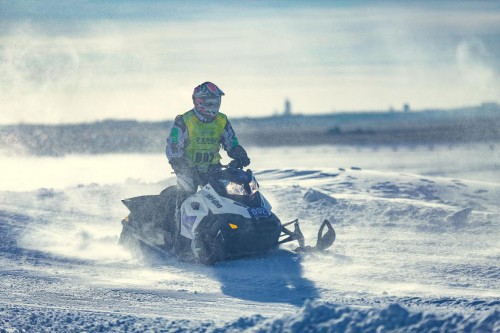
(90, 60)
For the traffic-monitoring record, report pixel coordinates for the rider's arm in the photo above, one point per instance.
(229, 139)
(233, 148)
(176, 142)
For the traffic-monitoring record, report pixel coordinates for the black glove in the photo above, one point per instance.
(239, 156)
(234, 164)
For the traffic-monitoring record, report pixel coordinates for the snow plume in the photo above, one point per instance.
(18, 172)
(476, 66)
(76, 217)
(36, 71)
(83, 232)
(92, 72)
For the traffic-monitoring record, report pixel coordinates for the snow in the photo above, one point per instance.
(416, 250)
(312, 317)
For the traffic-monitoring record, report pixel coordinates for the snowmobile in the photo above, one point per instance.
(226, 218)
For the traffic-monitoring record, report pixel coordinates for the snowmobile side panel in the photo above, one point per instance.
(193, 210)
(220, 205)
(142, 207)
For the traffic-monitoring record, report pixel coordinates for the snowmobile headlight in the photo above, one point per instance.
(235, 189)
(254, 186)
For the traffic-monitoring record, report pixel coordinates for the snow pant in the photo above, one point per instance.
(186, 186)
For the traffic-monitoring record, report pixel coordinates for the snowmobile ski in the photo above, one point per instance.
(324, 241)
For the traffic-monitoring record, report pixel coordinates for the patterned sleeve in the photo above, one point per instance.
(229, 139)
(177, 140)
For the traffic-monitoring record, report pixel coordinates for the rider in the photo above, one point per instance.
(193, 147)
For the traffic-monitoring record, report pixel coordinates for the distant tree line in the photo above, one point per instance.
(114, 136)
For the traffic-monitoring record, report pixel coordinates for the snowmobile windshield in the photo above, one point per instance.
(239, 183)
(233, 188)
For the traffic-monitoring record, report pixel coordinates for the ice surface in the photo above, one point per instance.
(416, 249)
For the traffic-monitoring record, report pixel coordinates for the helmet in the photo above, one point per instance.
(206, 100)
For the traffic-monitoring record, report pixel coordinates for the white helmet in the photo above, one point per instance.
(207, 99)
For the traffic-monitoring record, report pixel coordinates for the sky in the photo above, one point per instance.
(84, 61)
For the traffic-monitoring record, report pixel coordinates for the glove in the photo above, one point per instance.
(239, 156)
(234, 164)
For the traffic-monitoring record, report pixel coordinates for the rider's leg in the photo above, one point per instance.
(186, 187)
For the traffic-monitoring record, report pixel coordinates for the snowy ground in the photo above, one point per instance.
(417, 246)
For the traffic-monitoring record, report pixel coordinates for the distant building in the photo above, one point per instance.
(406, 107)
(288, 108)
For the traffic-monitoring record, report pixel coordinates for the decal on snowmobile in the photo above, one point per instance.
(258, 212)
(239, 204)
(187, 220)
(213, 200)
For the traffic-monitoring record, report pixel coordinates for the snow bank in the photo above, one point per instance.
(323, 317)
(312, 317)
